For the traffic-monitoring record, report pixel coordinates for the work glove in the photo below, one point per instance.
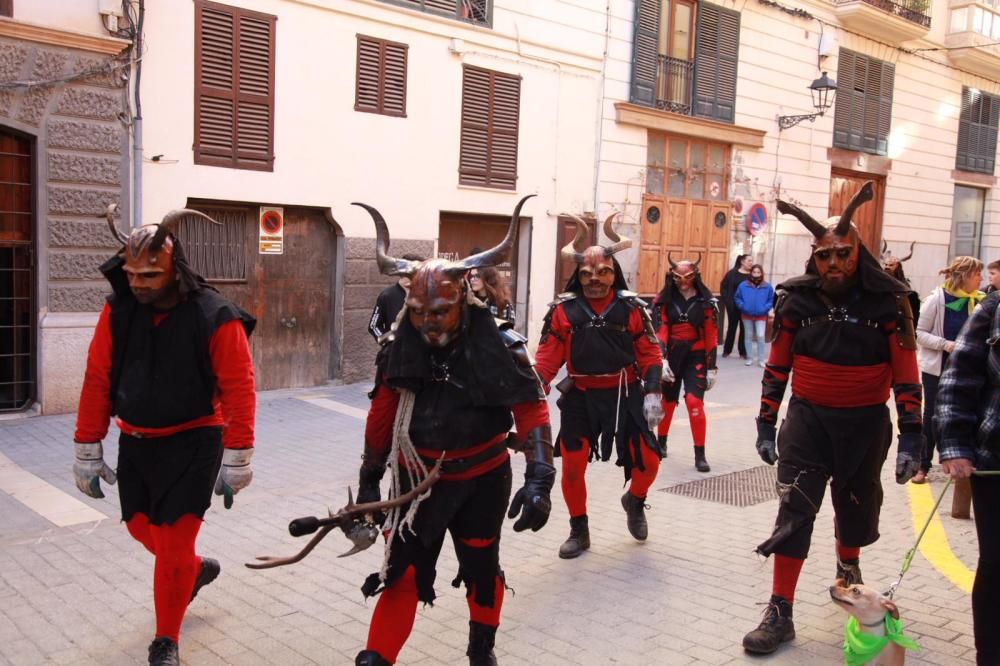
(668, 374)
(90, 468)
(909, 450)
(532, 499)
(710, 377)
(235, 475)
(767, 449)
(652, 409)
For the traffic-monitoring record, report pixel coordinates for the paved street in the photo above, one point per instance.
(81, 593)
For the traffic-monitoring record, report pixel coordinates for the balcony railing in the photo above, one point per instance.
(673, 84)
(914, 11)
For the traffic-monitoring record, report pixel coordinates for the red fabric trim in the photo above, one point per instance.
(574, 484)
(530, 415)
(642, 480)
(483, 614)
(786, 576)
(647, 354)
(904, 363)
(94, 411)
(460, 453)
(833, 385)
(554, 351)
(393, 618)
(381, 417)
(584, 382)
(473, 542)
(710, 332)
(683, 332)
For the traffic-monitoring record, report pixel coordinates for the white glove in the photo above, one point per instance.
(90, 468)
(667, 376)
(235, 475)
(710, 378)
(652, 410)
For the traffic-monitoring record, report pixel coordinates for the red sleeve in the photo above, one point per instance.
(94, 412)
(647, 353)
(381, 417)
(662, 327)
(528, 416)
(710, 332)
(776, 374)
(552, 352)
(233, 368)
(906, 387)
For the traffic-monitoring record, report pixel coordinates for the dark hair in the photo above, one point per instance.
(496, 287)
(995, 265)
(739, 260)
(761, 271)
(410, 256)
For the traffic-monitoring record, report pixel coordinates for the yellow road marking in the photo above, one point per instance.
(934, 546)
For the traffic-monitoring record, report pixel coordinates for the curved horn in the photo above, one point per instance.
(169, 223)
(387, 265)
(573, 251)
(617, 244)
(118, 233)
(695, 264)
(497, 254)
(911, 252)
(865, 194)
(885, 246)
(807, 220)
(673, 264)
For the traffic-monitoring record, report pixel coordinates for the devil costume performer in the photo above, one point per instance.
(447, 383)
(893, 265)
(611, 395)
(686, 318)
(170, 359)
(844, 335)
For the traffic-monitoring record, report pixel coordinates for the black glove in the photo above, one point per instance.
(909, 451)
(532, 500)
(369, 490)
(766, 447)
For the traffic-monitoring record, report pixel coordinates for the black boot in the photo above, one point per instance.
(775, 629)
(370, 658)
(163, 652)
(481, 638)
(207, 572)
(635, 509)
(662, 440)
(700, 463)
(579, 538)
(849, 571)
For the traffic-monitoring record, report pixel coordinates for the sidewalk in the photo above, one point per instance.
(82, 593)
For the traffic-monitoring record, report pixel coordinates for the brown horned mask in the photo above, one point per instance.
(837, 242)
(596, 269)
(892, 264)
(437, 286)
(684, 272)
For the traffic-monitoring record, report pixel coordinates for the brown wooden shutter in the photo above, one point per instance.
(645, 39)
(234, 87)
(863, 115)
(977, 132)
(381, 77)
(6, 7)
(491, 103)
(717, 50)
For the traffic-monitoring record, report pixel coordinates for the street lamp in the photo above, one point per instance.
(823, 91)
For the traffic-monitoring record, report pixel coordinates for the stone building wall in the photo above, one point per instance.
(362, 284)
(81, 150)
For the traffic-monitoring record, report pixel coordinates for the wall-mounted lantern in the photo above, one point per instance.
(823, 90)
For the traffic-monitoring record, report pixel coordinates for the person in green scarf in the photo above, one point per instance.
(942, 315)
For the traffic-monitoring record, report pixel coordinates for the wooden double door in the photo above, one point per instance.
(290, 294)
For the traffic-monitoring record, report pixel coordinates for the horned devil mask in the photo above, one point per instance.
(892, 264)
(837, 242)
(437, 286)
(596, 268)
(153, 259)
(684, 273)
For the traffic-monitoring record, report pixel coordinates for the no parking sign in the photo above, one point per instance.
(756, 219)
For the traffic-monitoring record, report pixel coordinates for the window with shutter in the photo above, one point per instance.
(491, 103)
(474, 11)
(863, 112)
(234, 87)
(6, 7)
(645, 42)
(381, 77)
(717, 49)
(977, 131)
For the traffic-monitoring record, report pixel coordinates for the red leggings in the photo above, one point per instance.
(396, 609)
(696, 415)
(175, 569)
(574, 485)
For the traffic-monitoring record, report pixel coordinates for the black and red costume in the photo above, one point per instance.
(612, 361)
(844, 337)
(687, 329)
(180, 383)
(469, 385)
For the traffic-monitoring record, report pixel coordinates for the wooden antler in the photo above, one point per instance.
(326, 525)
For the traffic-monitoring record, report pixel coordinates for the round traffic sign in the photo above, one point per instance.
(756, 218)
(270, 222)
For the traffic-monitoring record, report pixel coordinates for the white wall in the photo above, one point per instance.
(74, 15)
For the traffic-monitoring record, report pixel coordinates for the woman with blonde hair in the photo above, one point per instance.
(942, 315)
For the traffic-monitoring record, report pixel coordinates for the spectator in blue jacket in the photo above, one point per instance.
(755, 298)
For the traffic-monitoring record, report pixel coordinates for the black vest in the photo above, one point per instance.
(162, 375)
(600, 343)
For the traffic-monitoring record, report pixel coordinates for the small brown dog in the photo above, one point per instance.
(877, 640)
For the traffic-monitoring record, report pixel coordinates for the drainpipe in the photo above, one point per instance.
(137, 125)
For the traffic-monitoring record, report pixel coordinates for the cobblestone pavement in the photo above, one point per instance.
(82, 594)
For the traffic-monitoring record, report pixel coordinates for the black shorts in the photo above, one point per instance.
(690, 367)
(168, 477)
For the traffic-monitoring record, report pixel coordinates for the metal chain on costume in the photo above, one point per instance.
(785, 488)
(403, 459)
